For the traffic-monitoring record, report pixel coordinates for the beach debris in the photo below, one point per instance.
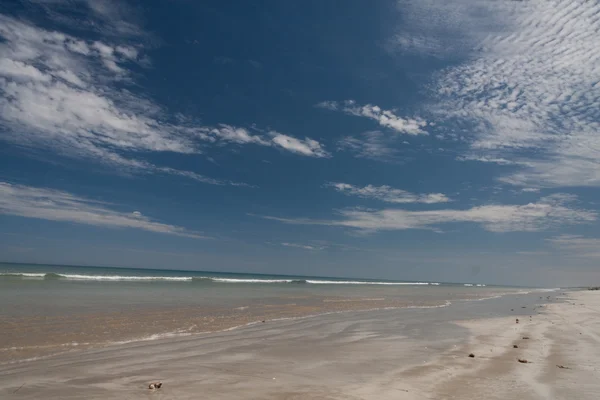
(562, 366)
(525, 337)
(154, 385)
(512, 309)
(472, 355)
(263, 321)
(515, 346)
(523, 361)
(19, 388)
(523, 307)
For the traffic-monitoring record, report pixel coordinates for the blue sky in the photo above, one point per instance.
(418, 140)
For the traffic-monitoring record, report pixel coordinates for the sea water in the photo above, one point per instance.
(45, 309)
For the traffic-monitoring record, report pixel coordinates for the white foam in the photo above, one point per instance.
(365, 283)
(310, 281)
(98, 277)
(23, 274)
(446, 304)
(233, 280)
(124, 278)
(149, 278)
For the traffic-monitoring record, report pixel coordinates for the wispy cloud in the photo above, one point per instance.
(549, 212)
(70, 95)
(385, 118)
(230, 134)
(529, 87)
(304, 246)
(373, 145)
(489, 159)
(55, 205)
(388, 194)
(106, 17)
(578, 245)
(448, 29)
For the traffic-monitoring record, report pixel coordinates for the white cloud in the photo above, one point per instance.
(385, 118)
(55, 205)
(529, 85)
(237, 135)
(303, 246)
(548, 212)
(388, 194)
(306, 147)
(68, 95)
(68, 102)
(230, 134)
(21, 71)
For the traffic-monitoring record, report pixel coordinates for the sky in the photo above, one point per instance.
(454, 140)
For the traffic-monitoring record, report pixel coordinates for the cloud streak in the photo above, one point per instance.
(387, 194)
(303, 246)
(549, 212)
(577, 245)
(385, 118)
(372, 145)
(55, 205)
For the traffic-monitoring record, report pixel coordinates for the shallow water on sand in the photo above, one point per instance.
(51, 309)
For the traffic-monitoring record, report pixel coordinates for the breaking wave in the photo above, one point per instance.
(199, 279)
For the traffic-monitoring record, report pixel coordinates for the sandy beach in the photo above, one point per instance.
(385, 354)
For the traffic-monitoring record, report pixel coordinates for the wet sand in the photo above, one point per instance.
(30, 337)
(395, 354)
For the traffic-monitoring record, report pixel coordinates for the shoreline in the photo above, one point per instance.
(338, 306)
(400, 354)
(74, 347)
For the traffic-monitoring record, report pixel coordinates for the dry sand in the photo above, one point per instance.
(387, 354)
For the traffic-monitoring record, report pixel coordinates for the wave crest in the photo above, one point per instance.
(204, 279)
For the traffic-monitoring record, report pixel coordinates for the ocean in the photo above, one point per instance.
(49, 309)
